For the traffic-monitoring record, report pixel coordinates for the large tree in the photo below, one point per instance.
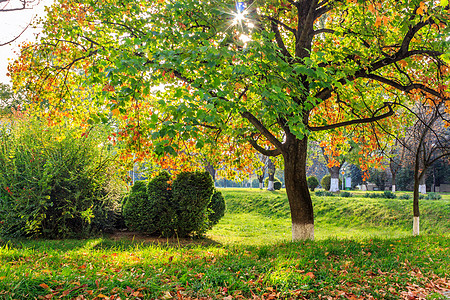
(265, 73)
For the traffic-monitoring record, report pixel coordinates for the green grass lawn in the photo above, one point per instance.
(363, 250)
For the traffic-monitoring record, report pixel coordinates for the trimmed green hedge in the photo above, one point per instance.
(188, 206)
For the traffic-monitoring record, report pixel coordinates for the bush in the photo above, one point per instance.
(188, 206)
(404, 196)
(134, 206)
(192, 193)
(277, 185)
(389, 195)
(324, 194)
(345, 194)
(216, 208)
(161, 207)
(312, 183)
(149, 207)
(433, 196)
(385, 194)
(53, 183)
(326, 182)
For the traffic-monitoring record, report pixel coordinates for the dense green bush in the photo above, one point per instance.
(277, 185)
(345, 194)
(326, 182)
(324, 194)
(216, 208)
(312, 182)
(54, 183)
(404, 196)
(192, 193)
(188, 206)
(134, 206)
(433, 196)
(385, 194)
(149, 206)
(389, 195)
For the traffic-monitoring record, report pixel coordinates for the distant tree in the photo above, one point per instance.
(428, 141)
(379, 178)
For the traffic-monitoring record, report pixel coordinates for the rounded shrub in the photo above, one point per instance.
(312, 182)
(135, 205)
(277, 185)
(216, 208)
(192, 193)
(161, 208)
(326, 182)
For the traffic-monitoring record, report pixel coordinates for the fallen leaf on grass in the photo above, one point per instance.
(44, 286)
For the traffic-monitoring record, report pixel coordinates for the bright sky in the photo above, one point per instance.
(12, 24)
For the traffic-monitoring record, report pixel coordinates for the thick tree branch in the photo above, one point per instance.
(323, 30)
(261, 128)
(279, 39)
(357, 121)
(404, 88)
(266, 152)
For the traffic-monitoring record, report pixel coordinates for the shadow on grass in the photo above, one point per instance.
(119, 240)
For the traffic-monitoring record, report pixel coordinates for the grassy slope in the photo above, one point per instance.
(253, 212)
(257, 267)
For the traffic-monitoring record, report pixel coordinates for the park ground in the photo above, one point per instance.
(363, 250)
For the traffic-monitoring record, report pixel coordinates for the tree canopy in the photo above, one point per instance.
(202, 76)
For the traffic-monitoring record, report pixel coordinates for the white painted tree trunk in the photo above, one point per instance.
(334, 186)
(302, 232)
(422, 189)
(416, 223)
(270, 185)
(261, 186)
(393, 188)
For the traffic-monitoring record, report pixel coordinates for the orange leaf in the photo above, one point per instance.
(378, 21)
(44, 286)
(115, 111)
(310, 275)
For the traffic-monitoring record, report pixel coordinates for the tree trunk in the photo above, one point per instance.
(271, 173)
(422, 185)
(393, 182)
(210, 169)
(261, 182)
(334, 185)
(416, 212)
(300, 203)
